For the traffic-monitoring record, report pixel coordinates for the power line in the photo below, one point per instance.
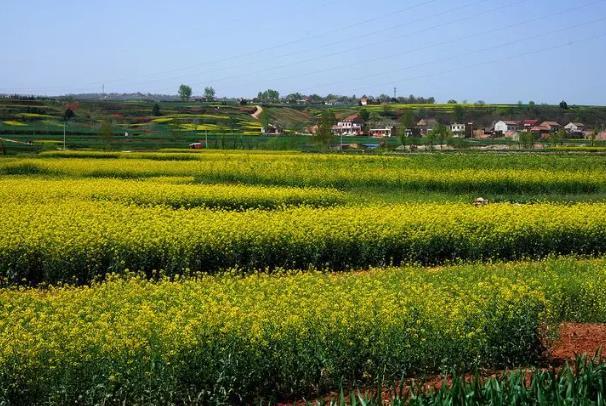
(450, 57)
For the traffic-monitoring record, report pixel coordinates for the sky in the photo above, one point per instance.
(499, 51)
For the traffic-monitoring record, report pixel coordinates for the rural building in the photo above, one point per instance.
(552, 125)
(504, 126)
(271, 130)
(364, 101)
(574, 128)
(381, 132)
(528, 124)
(541, 130)
(350, 125)
(458, 130)
(426, 125)
(196, 145)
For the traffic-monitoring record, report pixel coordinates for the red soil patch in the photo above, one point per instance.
(577, 338)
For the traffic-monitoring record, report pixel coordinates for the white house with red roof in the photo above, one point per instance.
(350, 125)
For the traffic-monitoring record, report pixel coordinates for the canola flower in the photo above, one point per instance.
(167, 192)
(234, 339)
(406, 174)
(80, 240)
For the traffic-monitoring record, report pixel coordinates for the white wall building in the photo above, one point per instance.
(505, 126)
(457, 130)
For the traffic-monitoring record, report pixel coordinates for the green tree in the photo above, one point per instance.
(264, 120)
(68, 114)
(269, 96)
(452, 101)
(364, 114)
(459, 113)
(156, 110)
(106, 133)
(564, 105)
(184, 92)
(324, 134)
(526, 139)
(209, 93)
(557, 137)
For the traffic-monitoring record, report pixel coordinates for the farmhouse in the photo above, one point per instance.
(381, 132)
(350, 125)
(426, 125)
(574, 128)
(458, 130)
(364, 101)
(528, 124)
(501, 127)
(551, 125)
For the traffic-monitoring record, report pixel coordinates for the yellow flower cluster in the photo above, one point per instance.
(80, 240)
(459, 174)
(166, 192)
(139, 341)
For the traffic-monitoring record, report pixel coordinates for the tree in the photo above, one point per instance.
(209, 93)
(593, 135)
(459, 113)
(443, 134)
(374, 117)
(408, 119)
(105, 133)
(68, 114)
(324, 134)
(557, 137)
(269, 96)
(526, 139)
(563, 105)
(184, 92)
(156, 110)
(264, 120)
(452, 101)
(364, 114)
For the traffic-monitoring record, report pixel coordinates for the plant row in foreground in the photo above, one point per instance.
(236, 339)
(80, 241)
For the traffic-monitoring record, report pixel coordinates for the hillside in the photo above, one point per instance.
(135, 124)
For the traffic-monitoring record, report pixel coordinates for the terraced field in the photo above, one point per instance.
(237, 277)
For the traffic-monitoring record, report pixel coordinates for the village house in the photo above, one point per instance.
(381, 132)
(364, 101)
(271, 129)
(575, 128)
(458, 130)
(551, 125)
(502, 127)
(350, 125)
(426, 125)
(528, 124)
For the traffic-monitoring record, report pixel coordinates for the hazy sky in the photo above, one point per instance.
(494, 50)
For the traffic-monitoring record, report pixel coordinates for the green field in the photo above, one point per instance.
(254, 276)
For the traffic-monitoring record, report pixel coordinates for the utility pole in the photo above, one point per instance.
(64, 124)
(395, 92)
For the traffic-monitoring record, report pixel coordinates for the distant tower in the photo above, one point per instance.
(395, 92)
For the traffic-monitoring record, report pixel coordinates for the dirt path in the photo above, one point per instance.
(257, 113)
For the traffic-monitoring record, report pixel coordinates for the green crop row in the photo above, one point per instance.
(81, 240)
(236, 339)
